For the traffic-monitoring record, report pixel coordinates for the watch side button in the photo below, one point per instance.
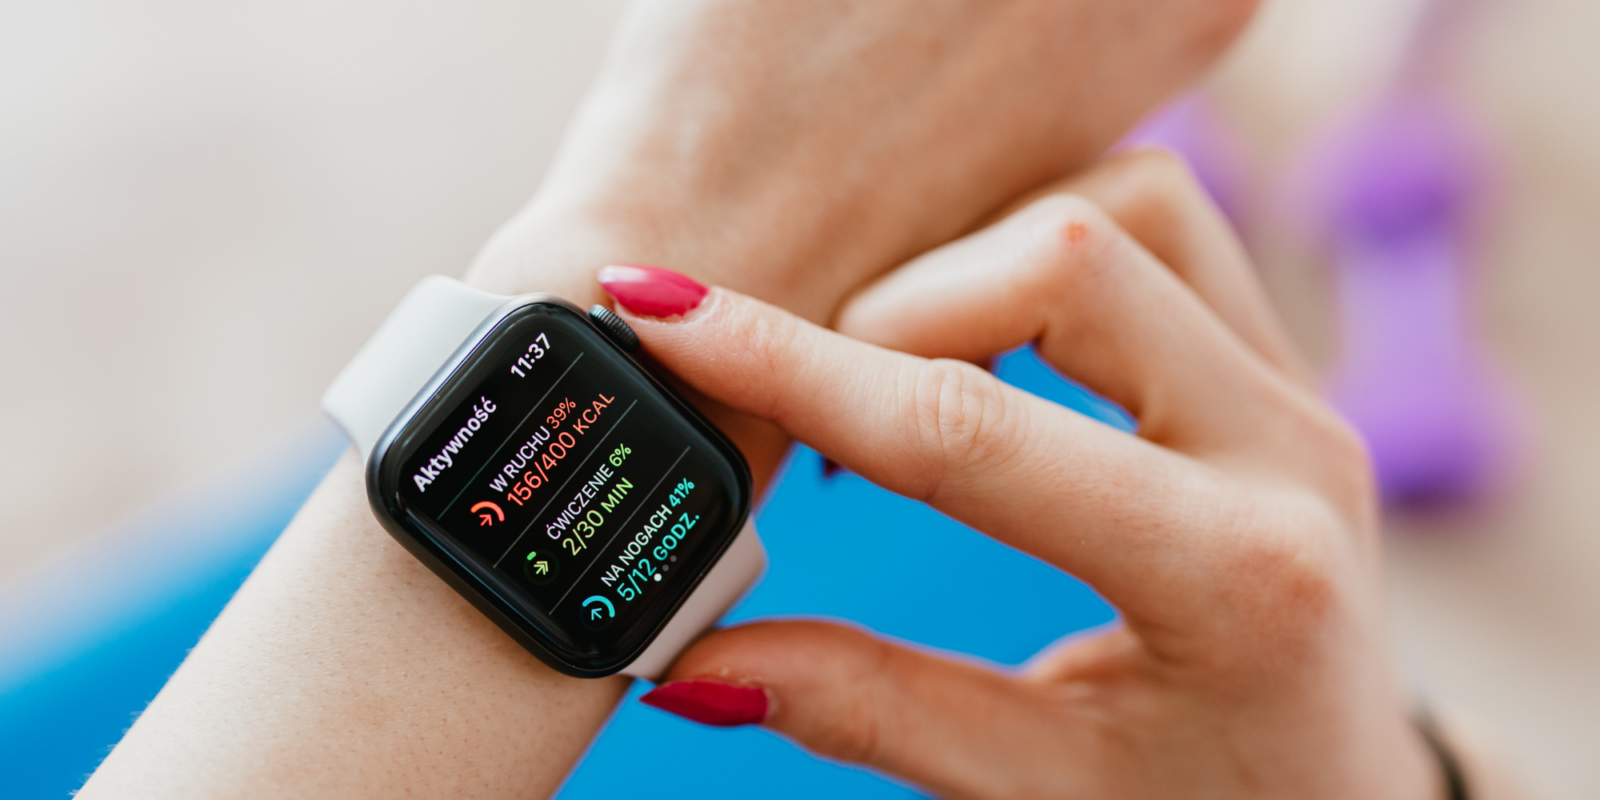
(614, 327)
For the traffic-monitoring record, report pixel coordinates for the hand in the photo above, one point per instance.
(1236, 533)
(792, 150)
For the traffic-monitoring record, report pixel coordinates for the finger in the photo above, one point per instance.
(950, 726)
(1114, 510)
(1086, 656)
(1100, 307)
(1154, 196)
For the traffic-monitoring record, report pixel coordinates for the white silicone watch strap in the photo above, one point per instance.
(432, 321)
(739, 568)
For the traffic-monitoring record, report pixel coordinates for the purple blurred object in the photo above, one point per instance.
(1190, 128)
(1401, 188)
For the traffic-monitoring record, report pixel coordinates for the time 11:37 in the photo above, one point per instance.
(536, 350)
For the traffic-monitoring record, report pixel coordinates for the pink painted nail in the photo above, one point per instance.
(651, 291)
(710, 703)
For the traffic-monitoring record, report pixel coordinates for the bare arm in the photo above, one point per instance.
(792, 151)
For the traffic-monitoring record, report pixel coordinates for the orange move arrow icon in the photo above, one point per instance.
(482, 510)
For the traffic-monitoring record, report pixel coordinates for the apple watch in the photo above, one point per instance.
(515, 446)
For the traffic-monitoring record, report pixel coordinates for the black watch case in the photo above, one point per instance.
(560, 486)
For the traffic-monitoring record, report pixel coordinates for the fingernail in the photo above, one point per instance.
(651, 291)
(710, 703)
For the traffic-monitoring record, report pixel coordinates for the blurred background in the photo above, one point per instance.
(205, 208)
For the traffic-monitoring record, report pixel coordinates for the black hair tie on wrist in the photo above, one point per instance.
(1455, 783)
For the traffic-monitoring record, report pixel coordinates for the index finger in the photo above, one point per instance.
(1117, 511)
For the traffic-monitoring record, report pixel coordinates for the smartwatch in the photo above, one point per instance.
(516, 447)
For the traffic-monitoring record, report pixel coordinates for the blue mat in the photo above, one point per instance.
(80, 659)
(87, 640)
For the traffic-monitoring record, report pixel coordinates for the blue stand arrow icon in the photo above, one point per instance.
(594, 611)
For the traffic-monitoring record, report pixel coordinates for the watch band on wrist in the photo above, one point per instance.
(435, 321)
(1455, 781)
(418, 338)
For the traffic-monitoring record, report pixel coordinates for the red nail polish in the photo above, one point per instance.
(651, 291)
(710, 702)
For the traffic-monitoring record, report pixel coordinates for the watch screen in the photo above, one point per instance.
(568, 483)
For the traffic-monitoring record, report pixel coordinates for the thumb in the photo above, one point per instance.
(956, 728)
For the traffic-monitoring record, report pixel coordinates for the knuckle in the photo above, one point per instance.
(1340, 468)
(855, 729)
(1290, 580)
(1351, 479)
(771, 335)
(961, 415)
(1073, 235)
(1153, 185)
(1158, 169)
(770, 341)
(857, 737)
(1297, 572)
(1074, 217)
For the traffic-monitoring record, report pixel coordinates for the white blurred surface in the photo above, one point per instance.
(205, 207)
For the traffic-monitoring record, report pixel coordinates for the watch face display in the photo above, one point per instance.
(566, 486)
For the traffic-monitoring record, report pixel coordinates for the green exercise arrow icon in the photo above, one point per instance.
(541, 568)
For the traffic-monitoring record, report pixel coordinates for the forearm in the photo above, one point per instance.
(345, 668)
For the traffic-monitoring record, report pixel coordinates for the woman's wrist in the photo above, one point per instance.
(341, 628)
(555, 245)
(1445, 761)
(341, 635)
(1483, 772)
